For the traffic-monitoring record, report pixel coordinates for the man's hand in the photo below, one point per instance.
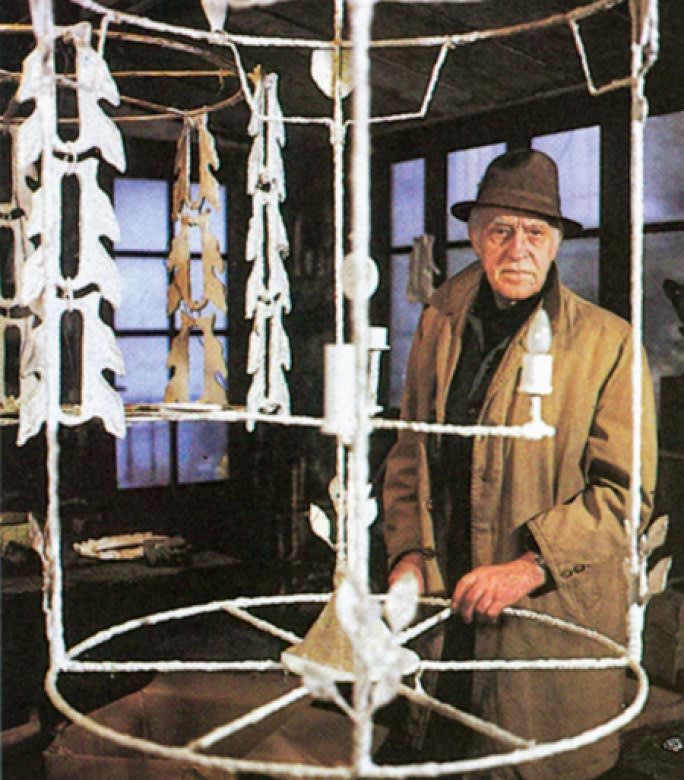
(487, 590)
(411, 563)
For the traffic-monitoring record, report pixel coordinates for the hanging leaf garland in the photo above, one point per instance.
(194, 214)
(215, 373)
(267, 297)
(37, 140)
(14, 318)
(178, 363)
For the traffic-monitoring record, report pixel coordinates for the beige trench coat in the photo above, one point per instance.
(570, 491)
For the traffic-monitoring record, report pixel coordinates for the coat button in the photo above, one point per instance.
(579, 567)
(430, 504)
(566, 573)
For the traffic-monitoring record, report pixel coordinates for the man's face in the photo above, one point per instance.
(516, 251)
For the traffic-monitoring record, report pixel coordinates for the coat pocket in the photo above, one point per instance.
(600, 591)
(587, 584)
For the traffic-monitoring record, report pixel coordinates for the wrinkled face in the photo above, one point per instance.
(516, 251)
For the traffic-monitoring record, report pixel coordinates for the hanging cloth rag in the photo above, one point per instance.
(419, 288)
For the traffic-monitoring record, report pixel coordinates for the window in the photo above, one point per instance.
(577, 155)
(464, 170)
(408, 198)
(407, 222)
(159, 453)
(663, 252)
(664, 168)
(404, 319)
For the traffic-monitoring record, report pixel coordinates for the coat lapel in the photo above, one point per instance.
(512, 359)
(454, 307)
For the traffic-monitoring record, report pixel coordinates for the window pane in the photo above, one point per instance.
(408, 198)
(458, 259)
(663, 340)
(143, 301)
(217, 222)
(142, 209)
(402, 326)
(142, 458)
(576, 153)
(465, 169)
(146, 374)
(202, 452)
(664, 168)
(578, 266)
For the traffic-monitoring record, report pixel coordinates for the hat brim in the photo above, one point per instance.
(462, 209)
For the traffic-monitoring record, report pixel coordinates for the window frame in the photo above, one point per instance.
(611, 114)
(168, 333)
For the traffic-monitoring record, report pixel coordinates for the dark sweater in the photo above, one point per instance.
(488, 332)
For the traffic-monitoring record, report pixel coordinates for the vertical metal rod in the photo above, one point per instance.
(338, 143)
(43, 21)
(360, 172)
(361, 17)
(640, 17)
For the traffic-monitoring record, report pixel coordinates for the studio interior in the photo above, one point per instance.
(165, 401)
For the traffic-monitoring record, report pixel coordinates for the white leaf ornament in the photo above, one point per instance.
(366, 282)
(370, 511)
(348, 608)
(320, 524)
(267, 296)
(655, 535)
(216, 12)
(657, 577)
(385, 690)
(401, 603)
(335, 493)
(323, 71)
(319, 681)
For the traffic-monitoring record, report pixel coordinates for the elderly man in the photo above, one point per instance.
(494, 522)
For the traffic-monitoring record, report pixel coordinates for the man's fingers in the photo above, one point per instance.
(487, 590)
(466, 582)
(476, 596)
(466, 598)
(493, 610)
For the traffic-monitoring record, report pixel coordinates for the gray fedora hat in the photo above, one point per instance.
(524, 180)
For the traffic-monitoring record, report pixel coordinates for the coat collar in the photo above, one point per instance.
(454, 300)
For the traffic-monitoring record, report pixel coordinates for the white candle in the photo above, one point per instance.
(537, 366)
(340, 385)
